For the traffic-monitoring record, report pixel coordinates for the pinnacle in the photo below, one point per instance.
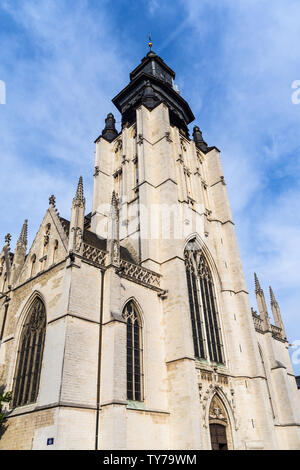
(273, 300)
(23, 235)
(79, 193)
(257, 284)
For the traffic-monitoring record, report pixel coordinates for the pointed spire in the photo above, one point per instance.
(23, 235)
(79, 198)
(272, 296)
(258, 289)
(110, 132)
(276, 313)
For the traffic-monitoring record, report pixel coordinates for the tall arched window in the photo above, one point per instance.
(134, 352)
(30, 354)
(203, 305)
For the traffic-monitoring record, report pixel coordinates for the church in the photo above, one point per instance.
(129, 325)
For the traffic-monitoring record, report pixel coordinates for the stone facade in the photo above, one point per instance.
(155, 190)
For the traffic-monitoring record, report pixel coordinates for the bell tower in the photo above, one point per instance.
(174, 218)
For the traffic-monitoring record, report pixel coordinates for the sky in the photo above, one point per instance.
(237, 64)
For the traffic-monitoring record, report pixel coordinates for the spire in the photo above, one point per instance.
(261, 303)
(272, 296)
(20, 254)
(258, 289)
(79, 198)
(77, 224)
(23, 235)
(276, 313)
(110, 132)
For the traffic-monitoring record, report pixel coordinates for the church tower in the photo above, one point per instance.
(147, 337)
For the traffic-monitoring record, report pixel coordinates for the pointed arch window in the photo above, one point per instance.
(203, 306)
(134, 352)
(30, 354)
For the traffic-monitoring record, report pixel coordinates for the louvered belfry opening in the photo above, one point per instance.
(134, 352)
(203, 306)
(30, 354)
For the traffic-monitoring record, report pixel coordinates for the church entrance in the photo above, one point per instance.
(218, 437)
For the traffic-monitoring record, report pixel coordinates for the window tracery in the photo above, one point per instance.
(30, 354)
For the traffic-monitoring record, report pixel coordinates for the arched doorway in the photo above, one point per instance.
(219, 427)
(218, 436)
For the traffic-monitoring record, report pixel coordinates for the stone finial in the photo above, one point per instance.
(198, 139)
(8, 239)
(110, 132)
(23, 235)
(52, 200)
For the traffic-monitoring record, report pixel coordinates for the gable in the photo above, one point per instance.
(48, 248)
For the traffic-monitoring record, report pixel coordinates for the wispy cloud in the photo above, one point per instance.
(245, 108)
(55, 63)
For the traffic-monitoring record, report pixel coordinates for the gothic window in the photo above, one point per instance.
(29, 358)
(203, 306)
(134, 352)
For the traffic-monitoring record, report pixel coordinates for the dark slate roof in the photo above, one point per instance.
(151, 83)
(92, 239)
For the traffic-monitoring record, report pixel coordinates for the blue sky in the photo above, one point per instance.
(235, 61)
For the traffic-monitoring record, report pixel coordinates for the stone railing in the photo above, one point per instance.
(94, 254)
(276, 331)
(139, 274)
(258, 323)
(259, 327)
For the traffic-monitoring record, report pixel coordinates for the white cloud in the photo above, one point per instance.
(60, 79)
